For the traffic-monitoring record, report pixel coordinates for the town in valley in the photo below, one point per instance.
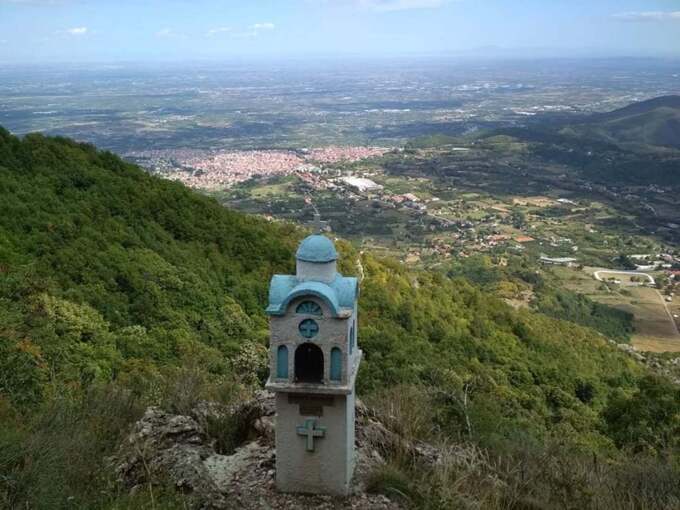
(440, 164)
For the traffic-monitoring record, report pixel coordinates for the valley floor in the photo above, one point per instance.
(656, 329)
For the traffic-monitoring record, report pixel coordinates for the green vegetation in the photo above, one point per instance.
(610, 152)
(119, 290)
(548, 298)
(631, 419)
(103, 264)
(653, 122)
(434, 140)
(527, 370)
(566, 305)
(530, 476)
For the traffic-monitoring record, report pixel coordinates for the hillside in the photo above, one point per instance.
(633, 146)
(119, 290)
(654, 122)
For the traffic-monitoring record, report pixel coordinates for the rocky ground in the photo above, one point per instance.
(185, 451)
(662, 364)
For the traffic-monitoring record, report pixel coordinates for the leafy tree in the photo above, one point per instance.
(625, 262)
(648, 419)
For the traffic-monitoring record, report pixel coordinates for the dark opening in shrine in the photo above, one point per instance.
(308, 363)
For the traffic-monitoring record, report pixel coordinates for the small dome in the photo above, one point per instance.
(316, 248)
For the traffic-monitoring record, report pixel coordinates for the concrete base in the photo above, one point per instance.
(329, 467)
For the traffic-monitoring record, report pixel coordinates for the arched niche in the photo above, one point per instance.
(336, 364)
(308, 363)
(282, 362)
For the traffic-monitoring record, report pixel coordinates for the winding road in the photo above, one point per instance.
(597, 274)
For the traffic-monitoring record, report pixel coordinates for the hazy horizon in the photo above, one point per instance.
(81, 31)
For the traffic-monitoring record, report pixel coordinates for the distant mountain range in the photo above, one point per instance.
(654, 122)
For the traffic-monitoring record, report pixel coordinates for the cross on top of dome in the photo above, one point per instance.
(319, 226)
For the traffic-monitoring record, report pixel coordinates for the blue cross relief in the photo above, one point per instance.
(308, 328)
(310, 431)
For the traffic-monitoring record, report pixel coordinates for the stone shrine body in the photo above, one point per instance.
(314, 361)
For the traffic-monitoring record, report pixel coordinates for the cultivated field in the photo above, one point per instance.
(655, 329)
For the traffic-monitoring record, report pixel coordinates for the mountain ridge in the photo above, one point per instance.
(654, 122)
(669, 101)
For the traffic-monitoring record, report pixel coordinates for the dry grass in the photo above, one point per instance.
(406, 410)
(655, 344)
(467, 476)
(553, 478)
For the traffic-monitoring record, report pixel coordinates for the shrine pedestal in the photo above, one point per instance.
(314, 443)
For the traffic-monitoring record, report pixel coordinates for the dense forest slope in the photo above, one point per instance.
(652, 122)
(120, 290)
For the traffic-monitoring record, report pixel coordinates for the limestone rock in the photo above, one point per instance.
(264, 426)
(164, 447)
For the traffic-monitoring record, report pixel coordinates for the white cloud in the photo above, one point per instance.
(254, 30)
(169, 33)
(385, 5)
(401, 5)
(263, 26)
(648, 16)
(77, 31)
(217, 31)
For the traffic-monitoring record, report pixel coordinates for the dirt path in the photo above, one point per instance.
(599, 272)
(670, 315)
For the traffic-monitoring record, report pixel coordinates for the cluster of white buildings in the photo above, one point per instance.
(225, 169)
(646, 262)
(222, 169)
(558, 261)
(336, 154)
(361, 184)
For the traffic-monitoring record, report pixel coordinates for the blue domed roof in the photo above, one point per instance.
(316, 248)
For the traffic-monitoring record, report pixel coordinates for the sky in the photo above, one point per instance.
(165, 30)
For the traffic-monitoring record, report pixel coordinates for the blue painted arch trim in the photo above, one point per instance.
(325, 296)
(339, 295)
